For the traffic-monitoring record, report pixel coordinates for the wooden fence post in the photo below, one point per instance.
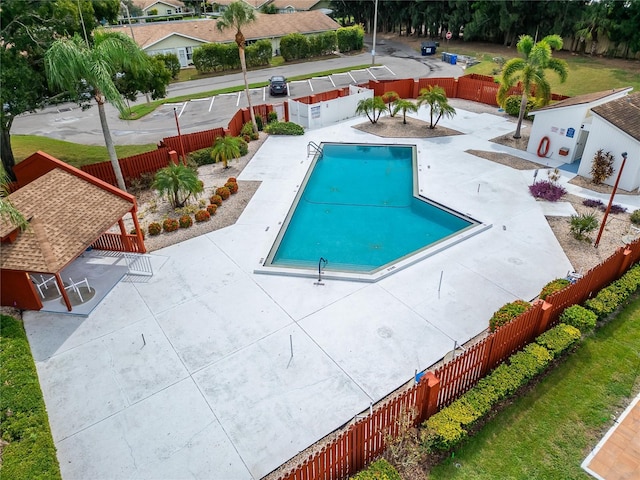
(626, 261)
(545, 317)
(173, 156)
(430, 406)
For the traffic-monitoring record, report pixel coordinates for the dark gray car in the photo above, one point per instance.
(277, 85)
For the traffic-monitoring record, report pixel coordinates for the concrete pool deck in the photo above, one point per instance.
(211, 371)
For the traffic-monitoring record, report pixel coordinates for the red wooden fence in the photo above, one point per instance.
(365, 439)
(132, 167)
(114, 242)
(193, 141)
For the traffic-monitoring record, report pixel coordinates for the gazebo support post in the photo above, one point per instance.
(139, 238)
(60, 283)
(125, 238)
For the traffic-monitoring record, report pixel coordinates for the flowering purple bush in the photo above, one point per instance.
(547, 190)
(615, 208)
(592, 203)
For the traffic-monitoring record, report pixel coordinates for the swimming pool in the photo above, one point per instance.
(358, 208)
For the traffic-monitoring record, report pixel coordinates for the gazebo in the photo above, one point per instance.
(69, 211)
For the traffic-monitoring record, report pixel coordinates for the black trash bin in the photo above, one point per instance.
(428, 48)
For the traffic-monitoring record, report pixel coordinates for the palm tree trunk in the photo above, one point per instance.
(243, 64)
(6, 152)
(523, 107)
(109, 143)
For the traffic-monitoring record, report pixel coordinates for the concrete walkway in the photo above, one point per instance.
(211, 371)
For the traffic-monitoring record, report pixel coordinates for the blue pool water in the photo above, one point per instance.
(358, 209)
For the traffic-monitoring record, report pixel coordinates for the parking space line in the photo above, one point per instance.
(184, 106)
(211, 104)
(369, 71)
(238, 99)
(354, 80)
(389, 70)
(331, 80)
(310, 85)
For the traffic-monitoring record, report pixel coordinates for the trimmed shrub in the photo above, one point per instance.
(553, 286)
(579, 317)
(508, 312)
(272, 117)
(512, 106)
(559, 339)
(154, 229)
(212, 209)
(202, 216)
(201, 157)
(547, 190)
(284, 128)
(232, 186)
(216, 200)
(378, 470)
(635, 217)
(170, 225)
(223, 192)
(232, 179)
(133, 231)
(185, 221)
(243, 145)
(441, 433)
(609, 298)
(247, 129)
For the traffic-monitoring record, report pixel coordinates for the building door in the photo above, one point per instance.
(182, 56)
(582, 140)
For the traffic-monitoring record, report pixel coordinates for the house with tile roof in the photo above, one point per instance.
(183, 37)
(615, 128)
(161, 7)
(68, 211)
(560, 130)
(291, 6)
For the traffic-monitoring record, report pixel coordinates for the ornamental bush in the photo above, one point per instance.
(579, 317)
(583, 224)
(133, 231)
(202, 216)
(170, 225)
(224, 192)
(154, 229)
(601, 166)
(232, 179)
(284, 128)
(512, 106)
(609, 298)
(232, 186)
(591, 203)
(635, 217)
(508, 312)
(553, 286)
(559, 339)
(531, 361)
(615, 209)
(272, 117)
(201, 157)
(547, 190)
(185, 221)
(212, 209)
(378, 470)
(216, 200)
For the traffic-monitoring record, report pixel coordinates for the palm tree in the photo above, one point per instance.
(390, 99)
(178, 183)
(403, 105)
(530, 71)
(371, 107)
(71, 62)
(224, 149)
(237, 15)
(436, 98)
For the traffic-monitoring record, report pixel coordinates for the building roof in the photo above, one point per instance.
(585, 99)
(67, 213)
(265, 26)
(298, 5)
(623, 113)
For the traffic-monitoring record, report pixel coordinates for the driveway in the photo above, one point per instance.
(209, 370)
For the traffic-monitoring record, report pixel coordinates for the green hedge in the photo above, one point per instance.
(218, 57)
(378, 470)
(296, 46)
(609, 298)
(553, 286)
(24, 424)
(350, 38)
(579, 317)
(449, 426)
(284, 128)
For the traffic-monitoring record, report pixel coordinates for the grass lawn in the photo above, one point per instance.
(24, 425)
(601, 75)
(547, 433)
(72, 153)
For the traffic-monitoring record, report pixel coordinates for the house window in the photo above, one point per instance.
(169, 11)
(189, 53)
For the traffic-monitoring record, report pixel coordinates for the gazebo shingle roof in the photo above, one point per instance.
(67, 214)
(581, 99)
(265, 26)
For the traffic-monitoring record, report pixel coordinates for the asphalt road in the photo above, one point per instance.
(69, 122)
